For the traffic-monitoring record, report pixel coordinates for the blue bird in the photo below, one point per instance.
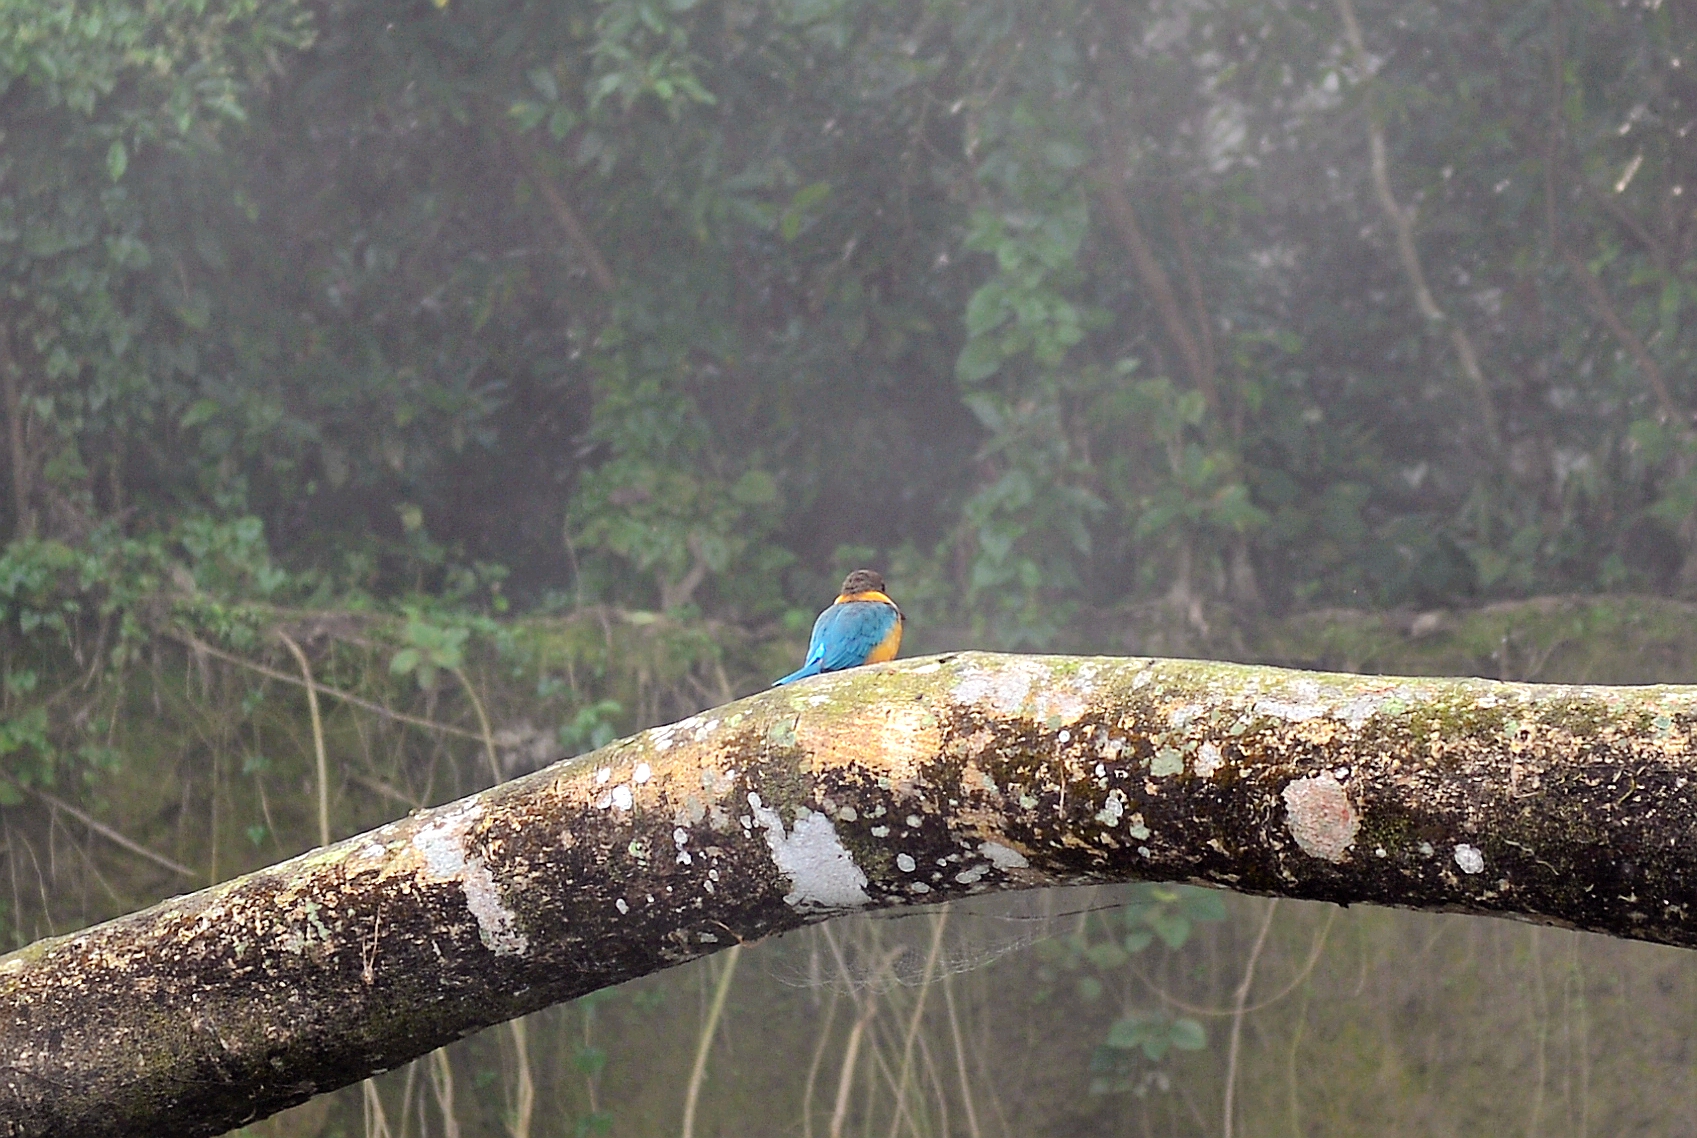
(862, 626)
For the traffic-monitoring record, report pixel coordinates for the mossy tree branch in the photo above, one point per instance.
(905, 783)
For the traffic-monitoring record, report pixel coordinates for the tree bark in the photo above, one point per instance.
(898, 784)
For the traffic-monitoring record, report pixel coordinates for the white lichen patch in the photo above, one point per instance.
(1003, 857)
(1469, 859)
(642, 773)
(1208, 760)
(441, 847)
(1167, 761)
(1359, 710)
(1180, 716)
(1320, 817)
(1005, 688)
(1112, 809)
(821, 871)
(1290, 711)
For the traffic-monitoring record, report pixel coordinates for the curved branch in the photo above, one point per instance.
(906, 783)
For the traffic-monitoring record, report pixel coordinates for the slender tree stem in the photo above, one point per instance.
(1242, 1000)
(317, 737)
(703, 1045)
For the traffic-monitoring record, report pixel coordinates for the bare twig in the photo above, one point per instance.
(114, 836)
(1242, 996)
(901, 1110)
(346, 697)
(317, 737)
(1402, 225)
(482, 722)
(1122, 215)
(599, 271)
(1610, 316)
(709, 1028)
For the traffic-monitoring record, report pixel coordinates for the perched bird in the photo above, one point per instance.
(862, 626)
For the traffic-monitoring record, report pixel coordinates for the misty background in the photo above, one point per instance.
(529, 373)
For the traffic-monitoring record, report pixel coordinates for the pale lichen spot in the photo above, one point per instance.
(622, 906)
(621, 797)
(905, 863)
(1208, 760)
(1004, 688)
(642, 773)
(1359, 710)
(1182, 715)
(1320, 817)
(441, 844)
(1137, 829)
(1112, 809)
(1003, 857)
(1167, 761)
(1290, 711)
(821, 870)
(1469, 859)
(602, 775)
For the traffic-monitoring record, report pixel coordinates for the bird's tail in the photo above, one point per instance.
(801, 673)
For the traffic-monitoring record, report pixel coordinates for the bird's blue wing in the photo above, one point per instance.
(815, 649)
(844, 636)
(857, 627)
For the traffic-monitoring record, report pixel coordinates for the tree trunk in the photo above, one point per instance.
(898, 784)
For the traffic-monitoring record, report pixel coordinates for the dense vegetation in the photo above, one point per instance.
(527, 371)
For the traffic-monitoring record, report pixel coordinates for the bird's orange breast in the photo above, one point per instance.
(888, 647)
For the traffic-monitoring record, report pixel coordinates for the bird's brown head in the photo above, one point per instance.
(863, 581)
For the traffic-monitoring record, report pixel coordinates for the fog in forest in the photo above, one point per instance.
(550, 362)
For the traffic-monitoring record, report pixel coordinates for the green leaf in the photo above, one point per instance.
(117, 159)
(1204, 904)
(404, 661)
(543, 80)
(199, 412)
(1187, 1035)
(1106, 955)
(1172, 928)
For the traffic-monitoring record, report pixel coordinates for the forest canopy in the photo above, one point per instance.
(688, 306)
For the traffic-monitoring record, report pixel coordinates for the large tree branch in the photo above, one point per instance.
(898, 784)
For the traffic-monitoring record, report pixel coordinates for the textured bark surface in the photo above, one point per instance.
(904, 783)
